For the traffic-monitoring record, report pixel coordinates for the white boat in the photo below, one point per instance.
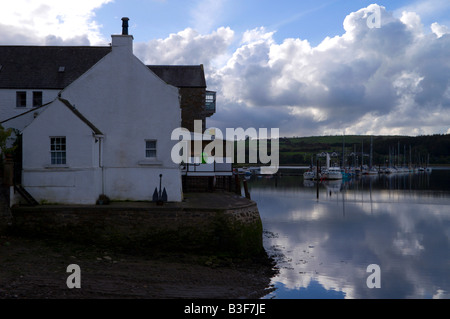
(372, 171)
(369, 171)
(332, 173)
(309, 175)
(402, 170)
(244, 171)
(390, 170)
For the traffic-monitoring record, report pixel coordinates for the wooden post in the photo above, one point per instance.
(317, 178)
(247, 194)
(238, 185)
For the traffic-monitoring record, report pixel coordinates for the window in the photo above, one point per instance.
(37, 98)
(150, 148)
(21, 99)
(58, 150)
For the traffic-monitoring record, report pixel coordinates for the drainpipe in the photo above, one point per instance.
(100, 160)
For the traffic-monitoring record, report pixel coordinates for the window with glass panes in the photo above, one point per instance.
(37, 98)
(58, 150)
(21, 99)
(150, 148)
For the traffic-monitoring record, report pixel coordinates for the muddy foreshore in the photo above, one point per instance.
(37, 269)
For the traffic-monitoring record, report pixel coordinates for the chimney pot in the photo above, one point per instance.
(125, 26)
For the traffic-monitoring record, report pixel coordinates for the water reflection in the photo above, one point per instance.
(323, 246)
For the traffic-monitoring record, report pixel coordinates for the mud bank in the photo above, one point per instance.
(37, 269)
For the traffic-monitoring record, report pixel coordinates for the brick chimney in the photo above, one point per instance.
(123, 41)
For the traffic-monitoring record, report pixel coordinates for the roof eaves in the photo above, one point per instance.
(21, 114)
(81, 116)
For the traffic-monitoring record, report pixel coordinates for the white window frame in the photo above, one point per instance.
(151, 149)
(59, 149)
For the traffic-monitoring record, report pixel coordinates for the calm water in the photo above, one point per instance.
(324, 246)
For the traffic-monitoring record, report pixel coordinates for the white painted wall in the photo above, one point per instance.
(8, 107)
(130, 105)
(77, 182)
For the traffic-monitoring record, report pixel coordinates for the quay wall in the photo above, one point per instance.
(147, 228)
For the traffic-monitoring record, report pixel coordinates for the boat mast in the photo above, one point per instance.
(343, 150)
(362, 153)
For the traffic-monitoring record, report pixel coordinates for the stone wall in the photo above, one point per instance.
(192, 107)
(236, 231)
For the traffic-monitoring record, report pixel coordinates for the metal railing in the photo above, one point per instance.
(210, 101)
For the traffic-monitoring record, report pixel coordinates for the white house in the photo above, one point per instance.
(108, 132)
(32, 76)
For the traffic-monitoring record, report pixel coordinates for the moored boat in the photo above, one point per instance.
(332, 173)
(309, 175)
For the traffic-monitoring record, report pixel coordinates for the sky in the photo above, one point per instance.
(305, 67)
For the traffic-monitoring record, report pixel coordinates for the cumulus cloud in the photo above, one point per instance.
(439, 30)
(391, 79)
(386, 78)
(185, 47)
(55, 22)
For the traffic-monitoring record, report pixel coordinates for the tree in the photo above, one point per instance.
(5, 134)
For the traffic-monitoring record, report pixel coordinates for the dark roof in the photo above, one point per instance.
(181, 76)
(55, 67)
(46, 67)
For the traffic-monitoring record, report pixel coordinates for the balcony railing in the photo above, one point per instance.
(210, 102)
(195, 167)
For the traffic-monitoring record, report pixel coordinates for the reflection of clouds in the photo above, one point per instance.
(441, 294)
(407, 244)
(315, 212)
(409, 239)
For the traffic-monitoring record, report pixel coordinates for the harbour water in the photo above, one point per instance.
(323, 247)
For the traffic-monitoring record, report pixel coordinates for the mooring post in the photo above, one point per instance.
(160, 178)
(247, 193)
(317, 178)
(238, 185)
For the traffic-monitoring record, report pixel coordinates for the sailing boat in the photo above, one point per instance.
(332, 172)
(428, 168)
(370, 170)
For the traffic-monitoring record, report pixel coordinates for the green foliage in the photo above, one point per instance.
(298, 150)
(4, 135)
(437, 147)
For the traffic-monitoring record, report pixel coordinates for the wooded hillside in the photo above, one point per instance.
(298, 150)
